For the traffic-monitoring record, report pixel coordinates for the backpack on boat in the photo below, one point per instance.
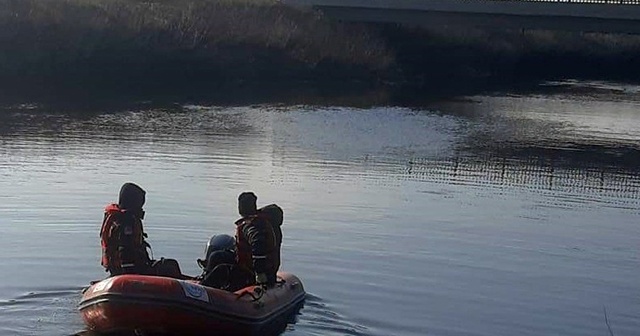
(124, 249)
(275, 217)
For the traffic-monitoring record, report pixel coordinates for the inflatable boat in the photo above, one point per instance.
(158, 305)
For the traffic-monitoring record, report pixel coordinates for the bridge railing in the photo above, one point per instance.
(333, 3)
(602, 2)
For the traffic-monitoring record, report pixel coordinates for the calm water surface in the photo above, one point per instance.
(505, 214)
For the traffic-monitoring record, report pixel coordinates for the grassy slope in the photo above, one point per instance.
(460, 52)
(224, 38)
(166, 40)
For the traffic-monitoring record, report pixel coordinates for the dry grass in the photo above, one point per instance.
(262, 38)
(43, 35)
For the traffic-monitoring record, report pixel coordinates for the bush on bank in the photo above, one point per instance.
(218, 38)
(226, 40)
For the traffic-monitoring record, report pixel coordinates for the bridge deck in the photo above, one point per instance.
(622, 16)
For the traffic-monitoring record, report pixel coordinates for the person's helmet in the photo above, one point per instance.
(247, 204)
(218, 243)
(132, 197)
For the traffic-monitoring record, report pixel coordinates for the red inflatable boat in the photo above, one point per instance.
(151, 304)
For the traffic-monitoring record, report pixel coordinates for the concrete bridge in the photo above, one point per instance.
(607, 16)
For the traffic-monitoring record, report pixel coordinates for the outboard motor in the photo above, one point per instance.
(220, 259)
(221, 249)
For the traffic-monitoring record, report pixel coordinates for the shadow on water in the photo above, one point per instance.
(90, 99)
(81, 99)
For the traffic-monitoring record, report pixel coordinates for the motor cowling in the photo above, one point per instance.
(221, 249)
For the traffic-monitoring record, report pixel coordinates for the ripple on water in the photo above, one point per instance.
(318, 318)
(40, 312)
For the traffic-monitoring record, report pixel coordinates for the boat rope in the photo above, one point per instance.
(257, 290)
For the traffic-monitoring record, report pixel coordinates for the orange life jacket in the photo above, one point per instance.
(124, 249)
(244, 252)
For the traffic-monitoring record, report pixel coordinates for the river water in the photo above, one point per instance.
(498, 214)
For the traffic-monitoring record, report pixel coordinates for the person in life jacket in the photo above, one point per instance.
(219, 266)
(275, 216)
(122, 237)
(257, 248)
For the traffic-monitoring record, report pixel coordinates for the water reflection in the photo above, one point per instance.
(517, 211)
(617, 188)
(486, 141)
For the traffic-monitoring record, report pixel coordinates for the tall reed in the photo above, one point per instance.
(58, 36)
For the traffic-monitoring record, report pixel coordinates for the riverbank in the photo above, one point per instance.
(515, 55)
(183, 40)
(133, 43)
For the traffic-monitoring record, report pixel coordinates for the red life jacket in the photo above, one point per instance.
(124, 249)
